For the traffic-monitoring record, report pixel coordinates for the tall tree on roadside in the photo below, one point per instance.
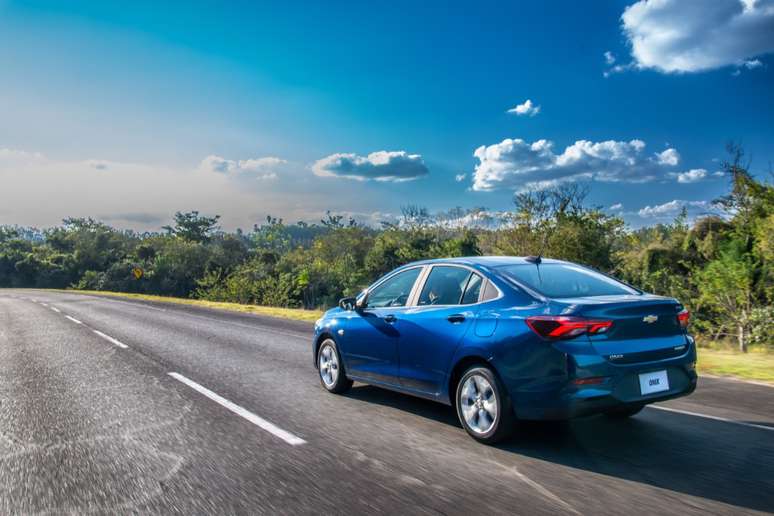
(192, 227)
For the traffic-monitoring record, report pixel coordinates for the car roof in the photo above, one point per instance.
(486, 261)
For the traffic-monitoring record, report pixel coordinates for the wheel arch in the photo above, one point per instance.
(462, 365)
(318, 341)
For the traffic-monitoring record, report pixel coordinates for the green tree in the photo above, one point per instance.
(192, 227)
(726, 285)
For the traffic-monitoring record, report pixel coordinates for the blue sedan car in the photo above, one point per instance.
(504, 339)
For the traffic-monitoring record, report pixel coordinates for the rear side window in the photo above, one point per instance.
(473, 290)
(558, 280)
(490, 292)
(444, 286)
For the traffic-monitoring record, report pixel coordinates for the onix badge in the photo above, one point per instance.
(650, 319)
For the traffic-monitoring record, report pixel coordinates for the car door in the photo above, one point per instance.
(370, 340)
(431, 330)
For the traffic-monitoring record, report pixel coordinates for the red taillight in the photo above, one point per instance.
(683, 317)
(557, 327)
(594, 380)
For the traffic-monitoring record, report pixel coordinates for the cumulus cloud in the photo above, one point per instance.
(693, 36)
(527, 108)
(673, 208)
(517, 164)
(260, 168)
(609, 58)
(616, 207)
(377, 166)
(460, 177)
(668, 157)
(691, 176)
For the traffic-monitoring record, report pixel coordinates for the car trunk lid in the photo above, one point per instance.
(645, 327)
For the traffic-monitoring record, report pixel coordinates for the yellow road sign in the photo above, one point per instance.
(137, 272)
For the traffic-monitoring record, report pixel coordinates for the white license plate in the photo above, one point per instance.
(654, 382)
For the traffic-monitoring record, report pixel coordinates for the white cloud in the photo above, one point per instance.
(260, 168)
(460, 177)
(525, 109)
(616, 207)
(668, 157)
(609, 58)
(516, 164)
(753, 64)
(673, 208)
(691, 176)
(619, 68)
(377, 166)
(692, 36)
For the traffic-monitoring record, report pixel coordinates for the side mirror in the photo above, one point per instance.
(347, 303)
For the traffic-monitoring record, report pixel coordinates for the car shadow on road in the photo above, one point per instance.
(700, 457)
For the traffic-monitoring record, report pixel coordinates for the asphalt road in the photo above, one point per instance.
(94, 422)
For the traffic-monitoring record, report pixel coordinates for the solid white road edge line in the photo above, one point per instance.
(110, 339)
(239, 411)
(716, 418)
(73, 319)
(55, 309)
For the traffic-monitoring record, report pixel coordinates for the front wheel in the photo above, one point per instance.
(330, 367)
(483, 406)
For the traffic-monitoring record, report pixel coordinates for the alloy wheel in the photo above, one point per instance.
(329, 366)
(478, 403)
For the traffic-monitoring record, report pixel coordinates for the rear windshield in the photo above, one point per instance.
(559, 280)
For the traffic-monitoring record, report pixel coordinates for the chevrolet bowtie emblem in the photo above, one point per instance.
(650, 319)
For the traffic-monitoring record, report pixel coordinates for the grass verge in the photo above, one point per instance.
(272, 311)
(754, 365)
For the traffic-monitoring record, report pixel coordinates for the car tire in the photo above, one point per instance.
(331, 368)
(624, 412)
(483, 405)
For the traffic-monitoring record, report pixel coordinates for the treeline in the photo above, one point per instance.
(720, 267)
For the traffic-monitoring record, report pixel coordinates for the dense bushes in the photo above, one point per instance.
(721, 267)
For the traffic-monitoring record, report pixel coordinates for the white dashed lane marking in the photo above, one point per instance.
(110, 339)
(258, 421)
(96, 332)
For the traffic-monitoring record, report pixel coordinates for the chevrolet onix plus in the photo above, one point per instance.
(505, 338)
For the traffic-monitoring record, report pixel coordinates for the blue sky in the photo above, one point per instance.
(249, 108)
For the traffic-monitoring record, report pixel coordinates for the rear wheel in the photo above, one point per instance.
(624, 412)
(331, 369)
(483, 405)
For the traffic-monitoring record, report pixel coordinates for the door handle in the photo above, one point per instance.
(390, 318)
(456, 318)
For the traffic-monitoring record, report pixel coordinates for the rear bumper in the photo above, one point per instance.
(620, 388)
